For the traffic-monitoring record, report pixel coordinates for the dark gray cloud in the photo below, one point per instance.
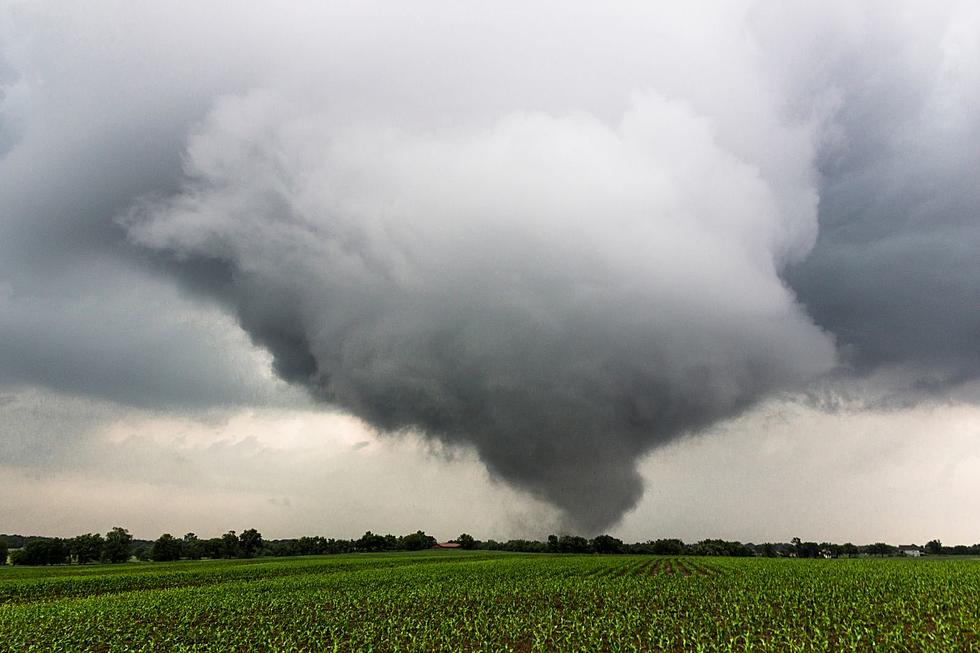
(895, 272)
(111, 332)
(563, 238)
(83, 134)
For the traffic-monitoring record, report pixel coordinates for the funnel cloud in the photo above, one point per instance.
(556, 292)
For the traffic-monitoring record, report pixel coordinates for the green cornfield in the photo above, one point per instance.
(474, 601)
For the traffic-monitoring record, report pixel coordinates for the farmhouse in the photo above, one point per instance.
(909, 550)
(446, 545)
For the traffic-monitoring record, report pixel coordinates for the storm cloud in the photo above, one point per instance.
(895, 273)
(561, 236)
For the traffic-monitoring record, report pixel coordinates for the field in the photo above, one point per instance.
(472, 601)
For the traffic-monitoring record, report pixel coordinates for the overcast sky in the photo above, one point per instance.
(704, 270)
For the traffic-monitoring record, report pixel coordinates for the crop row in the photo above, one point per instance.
(655, 567)
(59, 582)
(524, 603)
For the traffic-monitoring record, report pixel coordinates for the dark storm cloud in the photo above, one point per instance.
(559, 235)
(82, 136)
(111, 332)
(895, 273)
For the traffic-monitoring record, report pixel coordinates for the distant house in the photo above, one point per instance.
(446, 545)
(909, 550)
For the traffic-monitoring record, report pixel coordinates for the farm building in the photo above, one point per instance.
(909, 550)
(446, 545)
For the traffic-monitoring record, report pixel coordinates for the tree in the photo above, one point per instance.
(193, 547)
(4, 550)
(607, 544)
(935, 547)
(466, 541)
(211, 547)
(524, 546)
(86, 548)
(49, 551)
(370, 542)
(116, 545)
(308, 546)
(166, 549)
(809, 550)
(573, 544)
(417, 541)
(229, 545)
(880, 549)
(721, 548)
(668, 546)
(250, 541)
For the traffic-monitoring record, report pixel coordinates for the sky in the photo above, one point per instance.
(658, 270)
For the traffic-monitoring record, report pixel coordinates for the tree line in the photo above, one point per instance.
(81, 549)
(119, 546)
